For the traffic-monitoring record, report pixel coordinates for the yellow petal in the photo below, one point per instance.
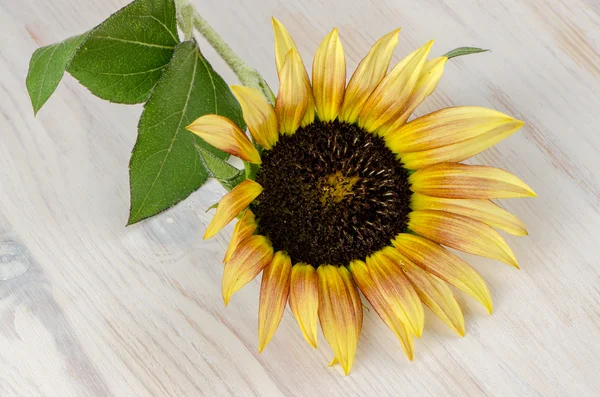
(391, 96)
(482, 210)
(253, 254)
(329, 77)
(430, 76)
(283, 43)
(258, 115)
(304, 300)
(436, 294)
(294, 92)
(337, 315)
(232, 204)
(274, 291)
(450, 135)
(462, 233)
(397, 290)
(369, 72)
(452, 180)
(356, 302)
(459, 151)
(243, 228)
(223, 134)
(442, 263)
(371, 291)
(447, 127)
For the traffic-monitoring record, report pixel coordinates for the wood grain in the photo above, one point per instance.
(89, 307)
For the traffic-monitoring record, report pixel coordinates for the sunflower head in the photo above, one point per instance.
(352, 196)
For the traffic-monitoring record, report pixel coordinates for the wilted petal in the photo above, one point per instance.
(365, 282)
(274, 291)
(482, 210)
(329, 77)
(304, 300)
(453, 180)
(225, 135)
(369, 72)
(462, 233)
(243, 228)
(232, 204)
(442, 263)
(397, 290)
(391, 96)
(337, 315)
(258, 115)
(253, 254)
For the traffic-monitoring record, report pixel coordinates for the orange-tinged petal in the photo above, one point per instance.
(356, 301)
(274, 291)
(483, 210)
(461, 133)
(253, 254)
(390, 97)
(430, 76)
(444, 264)
(245, 227)
(462, 233)
(304, 300)
(283, 43)
(369, 72)
(294, 92)
(329, 77)
(397, 290)
(224, 134)
(459, 151)
(371, 291)
(453, 180)
(258, 115)
(337, 315)
(449, 126)
(232, 204)
(436, 294)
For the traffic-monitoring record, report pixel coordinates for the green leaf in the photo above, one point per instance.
(460, 51)
(165, 166)
(124, 57)
(47, 67)
(251, 170)
(221, 170)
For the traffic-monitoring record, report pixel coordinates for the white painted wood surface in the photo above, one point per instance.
(89, 307)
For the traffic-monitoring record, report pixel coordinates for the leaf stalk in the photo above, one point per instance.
(246, 74)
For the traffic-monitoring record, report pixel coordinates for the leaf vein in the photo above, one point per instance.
(187, 100)
(213, 84)
(135, 42)
(161, 23)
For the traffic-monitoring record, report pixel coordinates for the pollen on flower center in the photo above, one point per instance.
(336, 187)
(332, 193)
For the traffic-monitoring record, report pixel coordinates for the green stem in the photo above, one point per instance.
(247, 75)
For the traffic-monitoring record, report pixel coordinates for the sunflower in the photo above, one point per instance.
(350, 196)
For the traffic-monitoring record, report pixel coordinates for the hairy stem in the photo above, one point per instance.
(247, 75)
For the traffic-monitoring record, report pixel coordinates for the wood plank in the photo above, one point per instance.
(89, 307)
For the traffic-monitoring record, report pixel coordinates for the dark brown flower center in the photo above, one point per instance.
(332, 193)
